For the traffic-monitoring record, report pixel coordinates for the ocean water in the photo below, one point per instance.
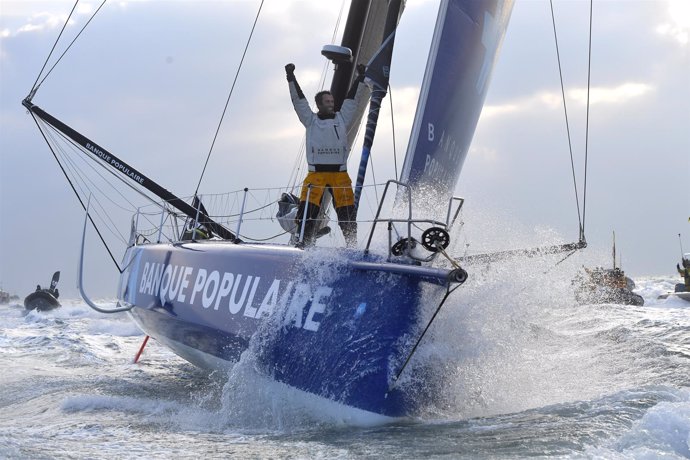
(529, 374)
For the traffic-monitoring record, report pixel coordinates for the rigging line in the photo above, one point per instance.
(373, 178)
(589, 73)
(227, 102)
(251, 211)
(86, 185)
(82, 183)
(72, 42)
(268, 201)
(86, 190)
(33, 88)
(548, 270)
(337, 23)
(449, 291)
(564, 258)
(75, 192)
(324, 72)
(79, 149)
(96, 172)
(372, 206)
(81, 180)
(373, 172)
(567, 124)
(395, 153)
(116, 175)
(324, 69)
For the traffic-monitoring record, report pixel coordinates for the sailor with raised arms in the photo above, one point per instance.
(327, 151)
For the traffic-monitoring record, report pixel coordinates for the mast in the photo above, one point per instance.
(614, 250)
(378, 71)
(352, 38)
(363, 34)
(120, 166)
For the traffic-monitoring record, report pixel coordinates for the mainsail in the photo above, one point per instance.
(464, 47)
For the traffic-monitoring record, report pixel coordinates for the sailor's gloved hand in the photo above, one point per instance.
(678, 267)
(290, 72)
(361, 70)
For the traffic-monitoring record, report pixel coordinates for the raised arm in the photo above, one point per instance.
(299, 102)
(355, 95)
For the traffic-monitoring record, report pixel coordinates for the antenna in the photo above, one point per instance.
(614, 249)
(680, 241)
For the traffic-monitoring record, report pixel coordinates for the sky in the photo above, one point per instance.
(149, 79)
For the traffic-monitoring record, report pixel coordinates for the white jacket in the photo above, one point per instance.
(327, 138)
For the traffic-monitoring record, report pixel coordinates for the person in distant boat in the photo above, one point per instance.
(685, 273)
(327, 152)
(38, 287)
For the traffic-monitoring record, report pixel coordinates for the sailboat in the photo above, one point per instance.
(340, 329)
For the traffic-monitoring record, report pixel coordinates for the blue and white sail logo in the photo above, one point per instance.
(232, 293)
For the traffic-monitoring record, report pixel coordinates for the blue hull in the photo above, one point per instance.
(334, 323)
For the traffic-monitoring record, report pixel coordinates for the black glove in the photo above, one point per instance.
(290, 72)
(361, 69)
(678, 267)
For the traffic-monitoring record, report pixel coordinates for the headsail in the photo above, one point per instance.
(464, 47)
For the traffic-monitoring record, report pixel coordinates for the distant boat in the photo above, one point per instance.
(606, 285)
(44, 299)
(4, 297)
(680, 289)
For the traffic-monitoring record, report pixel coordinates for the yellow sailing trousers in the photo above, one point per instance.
(339, 183)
